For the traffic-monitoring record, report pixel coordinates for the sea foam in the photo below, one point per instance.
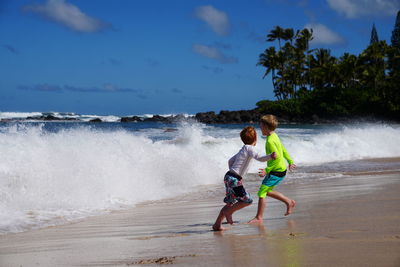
(79, 171)
(49, 178)
(344, 143)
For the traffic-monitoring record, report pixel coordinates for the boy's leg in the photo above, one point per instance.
(235, 207)
(290, 203)
(236, 191)
(260, 211)
(262, 194)
(218, 222)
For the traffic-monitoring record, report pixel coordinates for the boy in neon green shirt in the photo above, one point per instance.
(276, 169)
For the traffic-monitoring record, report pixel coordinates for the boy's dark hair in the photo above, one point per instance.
(270, 121)
(248, 135)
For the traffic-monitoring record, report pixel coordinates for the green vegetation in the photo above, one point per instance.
(312, 81)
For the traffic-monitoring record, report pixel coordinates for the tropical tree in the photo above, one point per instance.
(289, 35)
(287, 64)
(304, 37)
(322, 69)
(312, 81)
(374, 35)
(347, 67)
(277, 33)
(396, 32)
(269, 60)
(373, 61)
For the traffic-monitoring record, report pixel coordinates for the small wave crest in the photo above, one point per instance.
(346, 143)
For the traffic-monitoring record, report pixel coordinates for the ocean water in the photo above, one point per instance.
(56, 172)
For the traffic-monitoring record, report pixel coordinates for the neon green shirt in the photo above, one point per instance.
(273, 144)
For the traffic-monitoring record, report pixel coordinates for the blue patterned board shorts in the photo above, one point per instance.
(271, 180)
(235, 191)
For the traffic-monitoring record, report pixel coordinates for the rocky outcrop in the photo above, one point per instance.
(131, 119)
(157, 118)
(96, 120)
(254, 115)
(50, 118)
(224, 116)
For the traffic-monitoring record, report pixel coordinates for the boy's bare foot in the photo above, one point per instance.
(228, 217)
(218, 228)
(290, 207)
(256, 220)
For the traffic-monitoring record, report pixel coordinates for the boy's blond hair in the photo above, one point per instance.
(248, 135)
(270, 121)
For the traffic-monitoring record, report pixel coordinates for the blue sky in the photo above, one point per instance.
(127, 57)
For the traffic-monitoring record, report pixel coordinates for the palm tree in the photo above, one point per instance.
(277, 33)
(347, 71)
(323, 69)
(280, 60)
(303, 39)
(374, 63)
(289, 35)
(269, 60)
(305, 36)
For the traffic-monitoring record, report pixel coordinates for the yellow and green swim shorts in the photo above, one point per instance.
(271, 180)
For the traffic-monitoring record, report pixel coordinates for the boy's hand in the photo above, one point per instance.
(261, 172)
(273, 155)
(292, 167)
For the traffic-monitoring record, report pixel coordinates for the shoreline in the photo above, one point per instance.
(351, 221)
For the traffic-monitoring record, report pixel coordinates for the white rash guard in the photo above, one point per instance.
(239, 163)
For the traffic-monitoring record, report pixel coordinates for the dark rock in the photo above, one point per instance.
(51, 118)
(178, 118)
(254, 115)
(167, 119)
(157, 118)
(96, 120)
(239, 116)
(131, 119)
(206, 117)
(34, 118)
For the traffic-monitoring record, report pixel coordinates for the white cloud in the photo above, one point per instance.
(360, 8)
(69, 15)
(213, 53)
(216, 19)
(106, 88)
(324, 35)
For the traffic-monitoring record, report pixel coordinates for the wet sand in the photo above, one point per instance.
(349, 221)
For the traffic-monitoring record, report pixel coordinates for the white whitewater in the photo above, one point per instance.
(49, 178)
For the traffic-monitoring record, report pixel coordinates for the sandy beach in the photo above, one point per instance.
(351, 221)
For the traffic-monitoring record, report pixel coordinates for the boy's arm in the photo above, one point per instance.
(287, 156)
(292, 166)
(273, 148)
(255, 155)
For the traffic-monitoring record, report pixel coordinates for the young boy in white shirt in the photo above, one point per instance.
(236, 196)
